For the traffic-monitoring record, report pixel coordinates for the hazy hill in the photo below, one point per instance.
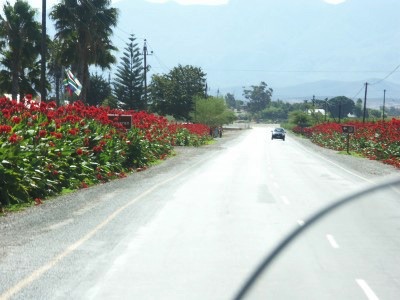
(284, 43)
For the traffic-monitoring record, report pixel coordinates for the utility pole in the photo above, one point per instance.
(365, 101)
(145, 53)
(43, 55)
(326, 107)
(383, 107)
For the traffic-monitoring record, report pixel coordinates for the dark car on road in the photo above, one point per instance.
(278, 133)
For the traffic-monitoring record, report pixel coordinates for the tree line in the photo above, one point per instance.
(83, 39)
(259, 106)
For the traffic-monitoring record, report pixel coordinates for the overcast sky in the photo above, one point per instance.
(281, 42)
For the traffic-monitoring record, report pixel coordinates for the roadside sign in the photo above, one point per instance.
(348, 129)
(124, 120)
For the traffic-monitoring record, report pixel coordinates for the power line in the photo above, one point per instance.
(357, 93)
(296, 71)
(394, 70)
(162, 64)
(91, 6)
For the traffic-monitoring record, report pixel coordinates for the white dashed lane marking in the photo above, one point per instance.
(285, 200)
(332, 241)
(367, 290)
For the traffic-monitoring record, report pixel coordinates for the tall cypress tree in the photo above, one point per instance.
(128, 84)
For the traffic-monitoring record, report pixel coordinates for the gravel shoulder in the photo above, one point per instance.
(367, 168)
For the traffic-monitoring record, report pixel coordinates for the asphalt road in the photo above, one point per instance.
(195, 227)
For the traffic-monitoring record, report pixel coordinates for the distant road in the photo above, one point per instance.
(195, 226)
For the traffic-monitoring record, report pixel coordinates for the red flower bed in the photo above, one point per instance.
(45, 148)
(375, 140)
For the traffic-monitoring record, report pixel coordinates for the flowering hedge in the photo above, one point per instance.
(374, 140)
(45, 149)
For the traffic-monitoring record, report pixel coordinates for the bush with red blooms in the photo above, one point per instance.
(378, 140)
(45, 148)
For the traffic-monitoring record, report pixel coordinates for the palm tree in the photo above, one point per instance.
(84, 28)
(20, 46)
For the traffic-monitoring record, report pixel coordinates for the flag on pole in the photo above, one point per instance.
(67, 87)
(72, 83)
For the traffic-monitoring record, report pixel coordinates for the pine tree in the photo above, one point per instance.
(128, 84)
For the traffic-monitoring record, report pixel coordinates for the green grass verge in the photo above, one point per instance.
(351, 153)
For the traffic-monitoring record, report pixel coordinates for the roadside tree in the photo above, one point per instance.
(128, 84)
(20, 46)
(230, 100)
(212, 111)
(358, 109)
(274, 114)
(259, 97)
(84, 29)
(99, 90)
(173, 93)
(340, 107)
(300, 118)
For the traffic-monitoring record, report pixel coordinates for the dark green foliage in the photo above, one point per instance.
(84, 28)
(20, 46)
(55, 66)
(99, 90)
(212, 111)
(340, 105)
(358, 109)
(230, 100)
(128, 84)
(259, 97)
(173, 93)
(300, 118)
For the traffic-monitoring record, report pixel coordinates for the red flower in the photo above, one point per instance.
(97, 149)
(5, 129)
(79, 151)
(16, 119)
(73, 131)
(42, 133)
(14, 138)
(57, 135)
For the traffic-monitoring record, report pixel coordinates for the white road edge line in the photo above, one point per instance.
(332, 241)
(36, 274)
(335, 164)
(367, 290)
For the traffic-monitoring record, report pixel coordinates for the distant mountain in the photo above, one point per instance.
(281, 42)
